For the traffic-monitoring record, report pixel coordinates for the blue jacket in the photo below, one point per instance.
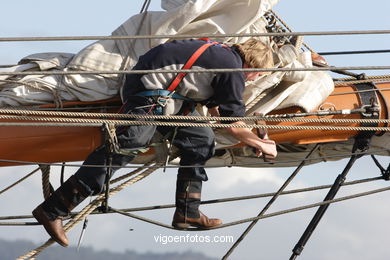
(213, 89)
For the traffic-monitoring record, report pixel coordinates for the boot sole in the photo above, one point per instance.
(37, 214)
(181, 225)
(194, 225)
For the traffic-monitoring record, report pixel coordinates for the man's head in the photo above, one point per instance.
(255, 54)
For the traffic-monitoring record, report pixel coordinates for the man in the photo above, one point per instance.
(171, 94)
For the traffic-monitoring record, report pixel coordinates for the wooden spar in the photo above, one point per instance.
(65, 144)
(336, 102)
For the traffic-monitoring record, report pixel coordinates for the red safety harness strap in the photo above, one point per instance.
(179, 77)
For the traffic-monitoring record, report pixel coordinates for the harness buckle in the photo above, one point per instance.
(162, 100)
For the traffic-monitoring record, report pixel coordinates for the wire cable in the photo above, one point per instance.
(185, 36)
(352, 52)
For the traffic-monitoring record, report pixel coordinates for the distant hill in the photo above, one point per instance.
(9, 250)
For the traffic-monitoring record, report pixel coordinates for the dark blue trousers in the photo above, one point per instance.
(196, 145)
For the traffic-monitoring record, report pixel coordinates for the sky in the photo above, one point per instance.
(356, 229)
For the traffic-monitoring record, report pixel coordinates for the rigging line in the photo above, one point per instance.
(274, 214)
(352, 52)
(270, 202)
(97, 122)
(87, 210)
(359, 91)
(273, 118)
(120, 178)
(8, 65)
(66, 109)
(199, 70)
(191, 118)
(313, 205)
(257, 196)
(288, 28)
(19, 224)
(126, 58)
(208, 35)
(20, 180)
(321, 158)
(359, 81)
(145, 6)
(339, 71)
(366, 77)
(362, 78)
(52, 113)
(270, 118)
(150, 221)
(212, 201)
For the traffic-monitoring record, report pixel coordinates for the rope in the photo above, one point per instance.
(289, 28)
(270, 202)
(145, 6)
(367, 79)
(92, 206)
(359, 81)
(359, 91)
(274, 214)
(44, 88)
(126, 60)
(282, 212)
(184, 36)
(257, 164)
(257, 196)
(27, 84)
(206, 202)
(352, 52)
(147, 220)
(271, 118)
(46, 186)
(87, 210)
(19, 224)
(257, 100)
(98, 122)
(94, 72)
(19, 181)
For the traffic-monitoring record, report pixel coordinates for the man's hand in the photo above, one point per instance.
(245, 135)
(268, 149)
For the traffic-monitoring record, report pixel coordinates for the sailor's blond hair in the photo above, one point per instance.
(255, 53)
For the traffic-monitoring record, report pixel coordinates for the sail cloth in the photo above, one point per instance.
(178, 17)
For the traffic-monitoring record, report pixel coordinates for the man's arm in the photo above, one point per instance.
(246, 136)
